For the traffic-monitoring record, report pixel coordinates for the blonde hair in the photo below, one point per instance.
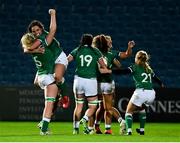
(109, 40)
(108, 37)
(142, 58)
(96, 42)
(27, 40)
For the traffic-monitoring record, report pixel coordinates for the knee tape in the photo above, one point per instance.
(50, 99)
(79, 100)
(95, 102)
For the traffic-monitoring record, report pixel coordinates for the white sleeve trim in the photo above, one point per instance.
(130, 69)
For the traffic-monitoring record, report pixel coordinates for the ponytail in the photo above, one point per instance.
(143, 59)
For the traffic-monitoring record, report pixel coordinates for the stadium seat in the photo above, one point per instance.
(152, 24)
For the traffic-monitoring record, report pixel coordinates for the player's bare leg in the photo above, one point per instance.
(107, 102)
(92, 106)
(79, 99)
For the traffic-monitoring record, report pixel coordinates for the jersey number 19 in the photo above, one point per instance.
(85, 60)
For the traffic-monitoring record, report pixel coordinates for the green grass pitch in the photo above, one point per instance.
(62, 132)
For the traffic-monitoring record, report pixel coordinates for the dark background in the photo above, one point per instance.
(153, 24)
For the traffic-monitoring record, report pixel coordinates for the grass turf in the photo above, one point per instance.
(62, 132)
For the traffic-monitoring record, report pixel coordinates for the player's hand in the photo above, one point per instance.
(40, 50)
(52, 11)
(131, 44)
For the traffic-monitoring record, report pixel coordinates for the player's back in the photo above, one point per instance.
(142, 78)
(86, 59)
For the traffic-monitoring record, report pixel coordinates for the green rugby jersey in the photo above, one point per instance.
(44, 62)
(54, 46)
(86, 61)
(142, 78)
(109, 57)
(115, 53)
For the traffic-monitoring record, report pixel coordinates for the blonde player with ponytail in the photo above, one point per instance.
(144, 93)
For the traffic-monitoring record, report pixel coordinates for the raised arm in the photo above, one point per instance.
(128, 53)
(34, 48)
(52, 27)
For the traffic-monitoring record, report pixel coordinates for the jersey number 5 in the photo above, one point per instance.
(38, 63)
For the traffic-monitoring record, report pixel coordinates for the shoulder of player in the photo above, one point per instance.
(133, 67)
(110, 53)
(94, 48)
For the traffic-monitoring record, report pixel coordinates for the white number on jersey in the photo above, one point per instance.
(85, 60)
(145, 75)
(38, 63)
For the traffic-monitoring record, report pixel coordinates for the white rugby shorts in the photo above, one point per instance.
(45, 80)
(143, 96)
(62, 59)
(106, 88)
(85, 86)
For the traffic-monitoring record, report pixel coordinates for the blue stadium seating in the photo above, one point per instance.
(153, 24)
